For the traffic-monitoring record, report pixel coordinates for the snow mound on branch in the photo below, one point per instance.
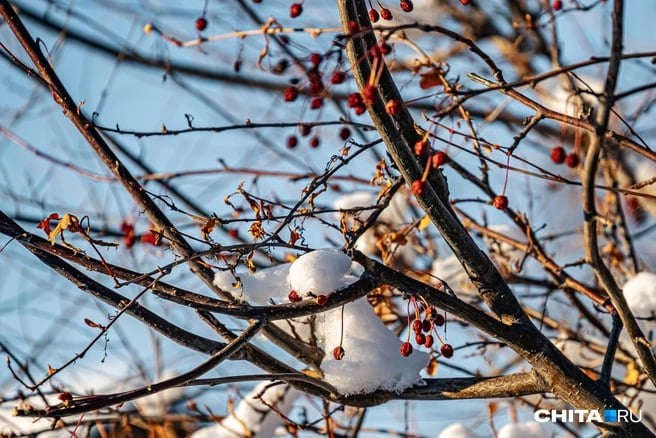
(259, 287)
(24, 426)
(646, 170)
(372, 357)
(252, 417)
(320, 271)
(640, 295)
(521, 430)
(456, 430)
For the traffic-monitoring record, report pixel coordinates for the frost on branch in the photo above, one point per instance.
(372, 360)
(253, 415)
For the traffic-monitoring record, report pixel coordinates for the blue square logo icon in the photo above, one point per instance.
(610, 415)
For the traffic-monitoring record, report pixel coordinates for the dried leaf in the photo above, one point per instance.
(424, 223)
(429, 80)
(632, 376)
(207, 228)
(431, 369)
(67, 222)
(92, 324)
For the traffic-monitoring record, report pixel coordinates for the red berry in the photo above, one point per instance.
(557, 4)
(406, 5)
(393, 107)
(344, 134)
(322, 299)
(438, 320)
(446, 350)
(295, 10)
(65, 396)
(438, 159)
(315, 59)
(426, 325)
(558, 155)
(292, 141)
(386, 14)
(353, 100)
(385, 48)
(500, 202)
(290, 94)
(338, 353)
(428, 343)
(360, 109)
(373, 16)
(572, 160)
(294, 297)
(406, 349)
(421, 147)
(201, 23)
(418, 187)
(234, 233)
(464, 2)
(416, 326)
(420, 338)
(314, 142)
(353, 27)
(316, 103)
(338, 77)
(150, 238)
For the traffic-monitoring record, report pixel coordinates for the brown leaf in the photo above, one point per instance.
(207, 228)
(429, 80)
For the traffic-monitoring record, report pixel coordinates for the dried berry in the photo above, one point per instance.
(406, 5)
(406, 349)
(500, 202)
(416, 326)
(446, 350)
(386, 14)
(374, 16)
(420, 338)
(428, 342)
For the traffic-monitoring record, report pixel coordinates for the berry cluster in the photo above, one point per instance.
(435, 160)
(294, 297)
(424, 328)
(560, 156)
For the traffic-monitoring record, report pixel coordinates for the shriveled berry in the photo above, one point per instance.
(421, 147)
(322, 299)
(572, 160)
(316, 103)
(385, 48)
(428, 342)
(295, 10)
(386, 14)
(426, 325)
(304, 129)
(315, 59)
(500, 202)
(416, 326)
(558, 155)
(418, 187)
(201, 23)
(292, 141)
(438, 320)
(406, 5)
(420, 338)
(294, 296)
(338, 353)
(393, 107)
(344, 134)
(406, 349)
(290, 94)
(338, 77)
(446, 350)
(438, 159)
(314, 142)
(557, 5)
(369, 94)
(374, 16)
